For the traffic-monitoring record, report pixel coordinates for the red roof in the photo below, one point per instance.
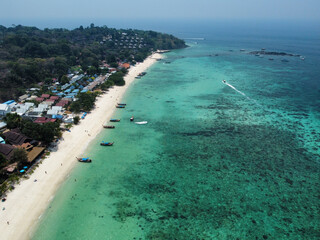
(54, 97)
(49, 100)
(41, 120)
(45, 95)
(39, 99)
(61, 104)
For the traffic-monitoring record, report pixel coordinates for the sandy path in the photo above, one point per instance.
(19, 214)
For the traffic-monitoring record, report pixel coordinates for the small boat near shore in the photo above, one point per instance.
(106, 143)
(84, 160)
(114, 120)
(142, 74)
(120, 106)
(141, 123)
(131, 119)
(109, 126)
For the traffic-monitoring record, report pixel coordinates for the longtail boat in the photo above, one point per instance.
(85, 160)
(120, 106)
(114, 120)
(108, 126)
(106, 143)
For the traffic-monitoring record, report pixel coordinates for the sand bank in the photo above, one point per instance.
(20, 213)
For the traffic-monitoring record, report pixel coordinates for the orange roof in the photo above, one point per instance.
(125, 65)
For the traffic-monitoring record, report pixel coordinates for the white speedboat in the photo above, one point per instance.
(140, 123)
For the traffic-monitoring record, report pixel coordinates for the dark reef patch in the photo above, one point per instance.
(224, 176)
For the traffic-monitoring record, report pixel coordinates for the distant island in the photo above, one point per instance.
(262, 52)
(30, 57)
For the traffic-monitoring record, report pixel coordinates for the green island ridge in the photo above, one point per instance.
(29, 56)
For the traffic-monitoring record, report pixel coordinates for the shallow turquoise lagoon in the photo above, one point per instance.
(234, 160)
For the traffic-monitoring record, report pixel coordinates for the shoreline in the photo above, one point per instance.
(21, 212)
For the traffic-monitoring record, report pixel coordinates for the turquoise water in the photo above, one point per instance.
(215, 161)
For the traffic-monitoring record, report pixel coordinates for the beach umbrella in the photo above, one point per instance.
(21, 171)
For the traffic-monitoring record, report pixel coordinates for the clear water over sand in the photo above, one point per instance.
(215, 161)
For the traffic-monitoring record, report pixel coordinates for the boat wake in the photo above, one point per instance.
(243, 94)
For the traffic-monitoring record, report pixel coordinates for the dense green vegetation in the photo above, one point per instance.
(85, 102)
(45, 132)
(117, 79)
(29, 55)
(20, 156)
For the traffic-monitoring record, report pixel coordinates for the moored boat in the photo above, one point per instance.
(114, 120)
(108, 126)
(106, 143)
(85, 160)
(120, 106)
(131, 119)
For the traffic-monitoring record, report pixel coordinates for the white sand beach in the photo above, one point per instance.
(20, 213)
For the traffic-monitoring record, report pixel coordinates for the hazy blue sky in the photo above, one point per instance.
(177, 9)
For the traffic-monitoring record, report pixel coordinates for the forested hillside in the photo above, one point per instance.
(29, 55)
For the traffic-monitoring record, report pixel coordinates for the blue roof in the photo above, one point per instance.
(76, 91)
(2, 140)
(9, 102)
(60, 94)
(67, 91)
(57, 116)
(84, 90)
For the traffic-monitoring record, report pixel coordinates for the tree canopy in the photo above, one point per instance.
(45, 132)
(29, 55)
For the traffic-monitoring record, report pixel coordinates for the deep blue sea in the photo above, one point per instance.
(217, 160)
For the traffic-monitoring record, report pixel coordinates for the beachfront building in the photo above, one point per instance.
(15, 137)
(7, 151)
(68, 118)
(4, 109)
